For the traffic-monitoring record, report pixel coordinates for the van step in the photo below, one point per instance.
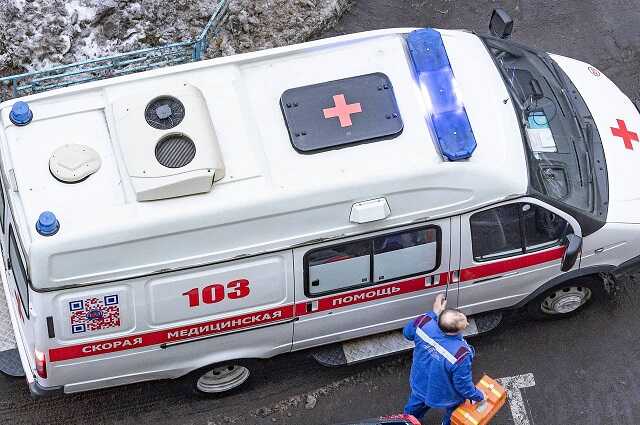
(384, 344)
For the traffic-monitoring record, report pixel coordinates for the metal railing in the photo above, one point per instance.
(113, 66)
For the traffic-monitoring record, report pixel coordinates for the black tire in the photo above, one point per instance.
(210, 381)
(563, 300)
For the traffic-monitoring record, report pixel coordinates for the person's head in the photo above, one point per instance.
(452, 321)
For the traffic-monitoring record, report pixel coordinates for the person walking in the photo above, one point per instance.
(441, 369)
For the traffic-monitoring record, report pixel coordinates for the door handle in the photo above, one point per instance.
(455, 276)
(510, 274)
(312, 306)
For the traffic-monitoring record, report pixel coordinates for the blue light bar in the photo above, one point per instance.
(446, 112)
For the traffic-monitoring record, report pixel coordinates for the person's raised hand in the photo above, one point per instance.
(439, 304)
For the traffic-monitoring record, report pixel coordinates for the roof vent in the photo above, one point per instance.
(168, 153)
(164, 112)
(175, 151)
(73, 163)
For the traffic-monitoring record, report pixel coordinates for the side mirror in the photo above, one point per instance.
(501, 24)
(574, 246)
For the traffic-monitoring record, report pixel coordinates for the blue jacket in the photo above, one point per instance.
(441, 369)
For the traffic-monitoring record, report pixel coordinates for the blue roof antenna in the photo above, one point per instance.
(47, 224)
(20, 113)
(447, 115)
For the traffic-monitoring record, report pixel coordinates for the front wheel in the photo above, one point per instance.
(566, 299)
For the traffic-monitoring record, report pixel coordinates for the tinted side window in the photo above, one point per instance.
(371, 261)
(404, 254)
(340, 266)
(19, 272)
(542, 228)
(496, 232)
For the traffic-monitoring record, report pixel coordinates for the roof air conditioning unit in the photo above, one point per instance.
(168, 142)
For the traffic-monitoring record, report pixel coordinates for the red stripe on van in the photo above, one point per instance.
(511, 264)
(283, 313)
(369, 294)
(220, 326)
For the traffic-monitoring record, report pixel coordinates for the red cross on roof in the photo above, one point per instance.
(627, 136)
(342, 110)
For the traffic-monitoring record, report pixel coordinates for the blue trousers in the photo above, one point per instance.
(416, 407)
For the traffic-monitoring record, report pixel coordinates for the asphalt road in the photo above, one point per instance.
(586, 369)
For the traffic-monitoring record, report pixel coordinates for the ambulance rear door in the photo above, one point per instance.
(510, 250)
(370, 284)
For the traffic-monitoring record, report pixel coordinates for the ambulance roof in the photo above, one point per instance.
(271, 197)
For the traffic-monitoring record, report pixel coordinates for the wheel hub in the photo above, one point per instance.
(223, 378)
(566, 300)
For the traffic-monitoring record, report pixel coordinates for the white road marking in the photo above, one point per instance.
(513, 384)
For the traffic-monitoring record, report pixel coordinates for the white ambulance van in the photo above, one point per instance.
(189, 221)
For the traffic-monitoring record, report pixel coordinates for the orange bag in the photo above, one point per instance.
(481, 413)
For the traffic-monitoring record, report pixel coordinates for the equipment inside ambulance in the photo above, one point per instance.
(186, 222)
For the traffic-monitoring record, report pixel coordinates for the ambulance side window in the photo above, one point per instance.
(19, 272)
(371, 261)
(405, 254)
(542, 228)
(515, 229)
(496, 233)
(337, 267)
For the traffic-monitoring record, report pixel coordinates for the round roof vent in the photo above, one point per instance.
(164, 112)
(175, 151)
(73, 163)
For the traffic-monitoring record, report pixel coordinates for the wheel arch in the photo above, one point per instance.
(565, 277)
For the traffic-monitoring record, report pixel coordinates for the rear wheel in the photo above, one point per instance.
(566, 299)
(217, 380)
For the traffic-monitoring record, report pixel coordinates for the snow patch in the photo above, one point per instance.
(42, 33)
(38, 34)
(262, 24)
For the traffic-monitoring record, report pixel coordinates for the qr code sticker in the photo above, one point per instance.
(94, 314)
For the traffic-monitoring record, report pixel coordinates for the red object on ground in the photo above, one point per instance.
(399, 419)
(408, 419)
